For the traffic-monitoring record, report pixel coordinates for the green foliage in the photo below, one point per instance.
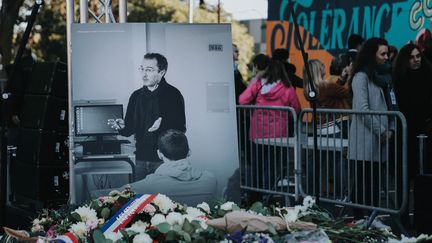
(48, 39)
(99, 237)
(49, 35)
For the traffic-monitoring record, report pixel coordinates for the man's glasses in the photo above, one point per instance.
(147, 70)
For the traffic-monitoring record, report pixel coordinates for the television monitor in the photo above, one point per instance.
(92, 120)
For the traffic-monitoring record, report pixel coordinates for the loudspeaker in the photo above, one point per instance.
(49, 78)
(38, 184)
(44, 112)
(39, 147)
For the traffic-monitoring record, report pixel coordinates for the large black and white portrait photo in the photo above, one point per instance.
(153, 107)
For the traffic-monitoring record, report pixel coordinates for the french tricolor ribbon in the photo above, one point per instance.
(66, 238)
(127, 212)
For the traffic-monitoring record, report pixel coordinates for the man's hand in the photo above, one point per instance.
(155, 125)
(117, 124)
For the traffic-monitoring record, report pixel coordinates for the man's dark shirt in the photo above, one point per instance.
(168, 104)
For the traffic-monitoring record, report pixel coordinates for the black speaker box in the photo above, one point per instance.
(38, 184)
(49, 78)
(40, 147)
(44, 112)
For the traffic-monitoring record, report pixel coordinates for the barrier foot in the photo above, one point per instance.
(397, 220)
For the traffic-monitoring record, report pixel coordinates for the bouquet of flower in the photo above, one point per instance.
(124, 217)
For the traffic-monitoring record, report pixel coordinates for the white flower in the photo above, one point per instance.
(142, 238)
(113, 236)
(86, 214)
(227, 206)
(37, 228)
(114, 193)
(204, 206)
(164, 203)
(194, 212)
(292, 215)
(301, 209)
(157, 219)
(175, 218)
(106, 199)
(138, 227)
(79, 229)
(308, 201)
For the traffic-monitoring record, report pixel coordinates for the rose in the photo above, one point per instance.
(204, 206)
(227, 206)
(37, 228)
(150, 209)
(142, 238)
(175, 218)
(164, 203)
(51, 233)
(86, 214)
(157, 219)
(138, 227)
(79, 229)
(194, 212)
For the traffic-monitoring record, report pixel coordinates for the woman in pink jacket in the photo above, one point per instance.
(274, 89)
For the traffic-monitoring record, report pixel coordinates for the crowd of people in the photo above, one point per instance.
(371, 75)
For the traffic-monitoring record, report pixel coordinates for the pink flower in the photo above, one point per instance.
(92, 223)
(150, 209)
(51, 233)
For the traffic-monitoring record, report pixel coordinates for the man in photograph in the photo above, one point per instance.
(152, 109)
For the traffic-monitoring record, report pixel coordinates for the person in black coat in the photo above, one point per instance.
(152, 109)
(413, 92)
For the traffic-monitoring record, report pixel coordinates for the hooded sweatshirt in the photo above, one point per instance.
(179, 181)
(270, 123)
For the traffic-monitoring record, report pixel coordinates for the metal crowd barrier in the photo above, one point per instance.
(359, 168)
(365, 171)
(267, 165)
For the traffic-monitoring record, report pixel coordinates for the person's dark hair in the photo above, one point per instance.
(261, 61)
(366, 58)
(280, 54)
(339, 63)
(162, 62)
(354, 41)
(276, 71)
(402, 61)
(173, 144)
(393, 52)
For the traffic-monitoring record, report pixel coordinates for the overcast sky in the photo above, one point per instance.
(244, 9)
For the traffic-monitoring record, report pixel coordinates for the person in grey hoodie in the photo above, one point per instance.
(175, 178)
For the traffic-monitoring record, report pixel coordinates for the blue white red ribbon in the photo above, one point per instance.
(127, 212)
(66, 238)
